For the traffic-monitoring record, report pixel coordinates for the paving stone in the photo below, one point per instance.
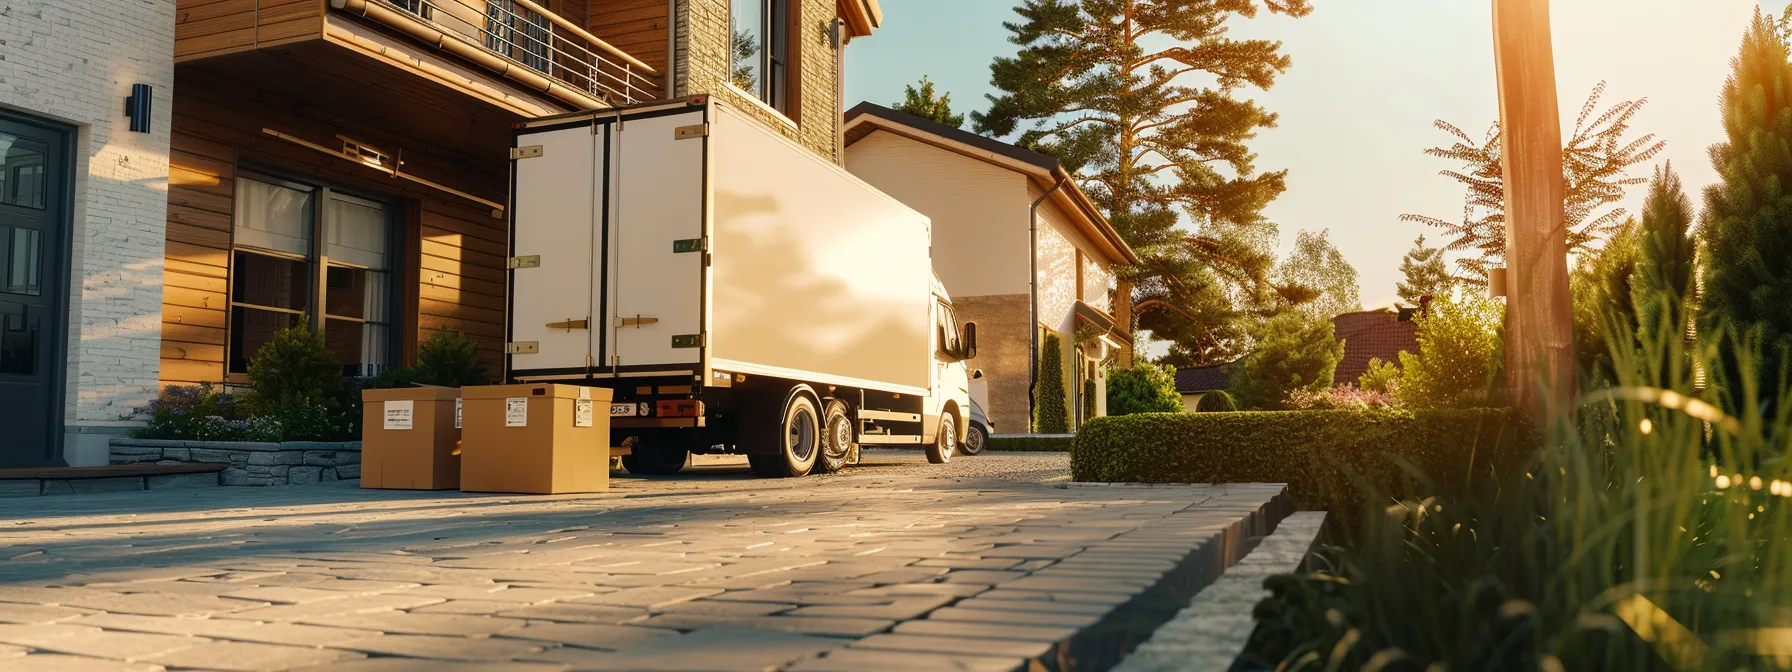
(90, 486)
(477, 607)
(1061, 620)
(445, 648)
(164, 604)
(952, 589)
(94, 642)
(497, 593)
(1031, 633)
(901, 608)
(588, 635)
(176, 481)
(723, 608)
(425, 665)
(249, 657)
(1071, 585)
(1040, 606)
(57, 662)
(418, 624)
(904, 575)
(47, 595)
(720, 649)
(287, 594)
(982, 576)
(833, 626)
(222, 628)
(567, 612)
(358, 604)
(30, 487)
(36, 613)
(956, 645)
(649, 598)
(969, 563)
(1080, 598)
(875, 660)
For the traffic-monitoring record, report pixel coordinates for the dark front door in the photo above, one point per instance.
(33, 187)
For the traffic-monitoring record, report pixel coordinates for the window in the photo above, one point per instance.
(948, 329)
(517, 32)
(760, 49)
(22, 178)
(293, 260)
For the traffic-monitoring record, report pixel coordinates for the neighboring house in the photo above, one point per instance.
(343, 162)
(82, 209)
(1194, 383)
(980, 194)
(1372, 334)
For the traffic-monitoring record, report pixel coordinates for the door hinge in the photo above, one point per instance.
(570, 325)
(692, 131)
(528, 261)
(689, 245)
(687, 341)
(529, 152)
(637, 321)
(522, 348)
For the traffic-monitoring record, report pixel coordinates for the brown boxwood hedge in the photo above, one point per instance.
(1314, 452)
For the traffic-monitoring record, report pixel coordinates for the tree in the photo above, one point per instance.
(1602, 284)
(1459, 357)
(1380, 377)
(1049, 414)
(1595, 163)
(920, 100)
(1315, 263)
(1746, 238)
(1293, 353)
(1424, 273)
(1664, 259)
(745, 73)
(1144, 388)
(1101, 84)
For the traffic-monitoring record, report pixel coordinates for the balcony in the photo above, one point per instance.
(523, 42)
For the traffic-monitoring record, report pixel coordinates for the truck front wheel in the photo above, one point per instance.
(945, 441)
(799, 442)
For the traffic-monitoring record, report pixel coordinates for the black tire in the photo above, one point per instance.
(798, 442)
(657, 457)
(837, 436)
(945, 440)
(976, 439)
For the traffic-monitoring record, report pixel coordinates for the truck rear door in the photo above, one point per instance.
(657, 243)
(556, 195)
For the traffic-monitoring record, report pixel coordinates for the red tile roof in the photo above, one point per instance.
(1374, 334)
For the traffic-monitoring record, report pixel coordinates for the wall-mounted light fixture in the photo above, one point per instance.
(136, 107)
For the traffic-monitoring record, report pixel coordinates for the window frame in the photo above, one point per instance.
(774, 58)
(317, 266)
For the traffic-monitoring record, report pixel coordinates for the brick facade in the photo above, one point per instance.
(702, 63)
(75, 63)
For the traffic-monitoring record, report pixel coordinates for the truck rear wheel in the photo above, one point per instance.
(655, 457)
(799, 442)
(837, 435)
(945, 441)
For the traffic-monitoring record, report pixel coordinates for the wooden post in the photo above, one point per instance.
(1539, 321)
(1122, 304)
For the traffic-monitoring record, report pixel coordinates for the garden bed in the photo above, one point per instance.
(251, 463)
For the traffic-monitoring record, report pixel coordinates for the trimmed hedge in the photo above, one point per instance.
(1314, 452)
(1036, 444)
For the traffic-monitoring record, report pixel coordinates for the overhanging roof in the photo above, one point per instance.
(867, 117)
(861, 16)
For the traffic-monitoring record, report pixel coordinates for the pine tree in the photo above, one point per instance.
(1602, 284)
(1747, 234)
(1049, 413)
(1595, 164)
(921, 101)
(1317, 264)
(1424, 273)
(1664, 263)
(1100, 85)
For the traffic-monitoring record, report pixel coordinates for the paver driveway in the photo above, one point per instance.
(975, 565)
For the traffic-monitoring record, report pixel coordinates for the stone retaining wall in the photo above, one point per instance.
(288, 463)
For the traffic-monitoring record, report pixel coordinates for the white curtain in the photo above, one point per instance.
(273, 217)
(356, 232)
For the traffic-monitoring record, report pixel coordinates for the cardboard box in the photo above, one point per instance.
(409, 437)
(540, 439)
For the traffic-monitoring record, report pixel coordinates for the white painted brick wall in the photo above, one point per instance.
(74, 62)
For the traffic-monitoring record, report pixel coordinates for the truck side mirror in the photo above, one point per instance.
(969, 336)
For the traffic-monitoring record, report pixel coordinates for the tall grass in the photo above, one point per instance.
(1653, 531)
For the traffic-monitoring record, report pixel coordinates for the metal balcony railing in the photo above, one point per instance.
(523, 33)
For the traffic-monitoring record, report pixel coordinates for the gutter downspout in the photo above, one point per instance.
(1033, 294)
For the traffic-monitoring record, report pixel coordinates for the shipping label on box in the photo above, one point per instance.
(516, 412)
(581, 413)
(399, 414)
(457, 413)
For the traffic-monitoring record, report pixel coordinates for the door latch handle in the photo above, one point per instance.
(638, 321)
(570, 325)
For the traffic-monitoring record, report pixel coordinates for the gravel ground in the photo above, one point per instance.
(1032, 467)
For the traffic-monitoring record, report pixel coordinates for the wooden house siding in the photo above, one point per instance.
(206, 28)
(641, 28)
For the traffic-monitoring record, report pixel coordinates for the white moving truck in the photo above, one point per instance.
(737, 292)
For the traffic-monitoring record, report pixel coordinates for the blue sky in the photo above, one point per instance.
(1369, 76)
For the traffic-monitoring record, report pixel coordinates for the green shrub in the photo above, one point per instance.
(294, 368)
(179, 411)
(1030, 444)
(309, 423)
(1460, 355)
(1292, 353)
(1049, 415)
(1216, 401)
(450, 359)
(1380, 376)
(1144, 388)
(1315, 452)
